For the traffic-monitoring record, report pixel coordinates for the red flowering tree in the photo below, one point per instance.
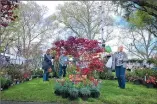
(7, 8)
(85, 51)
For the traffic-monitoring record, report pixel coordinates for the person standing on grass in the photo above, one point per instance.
(63, 61)
(47, 64)
(119, 60)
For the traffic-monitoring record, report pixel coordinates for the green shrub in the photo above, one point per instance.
(65, 91)
(85, 91)
(38, 72)
(3, 82)
(58, 89)
(15, 73)
(106, 75)
(143, 72)
(74, 93)
(8, 82)
(95, 93)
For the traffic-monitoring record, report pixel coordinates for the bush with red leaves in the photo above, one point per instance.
(6, 8)
(86, 49)
(152, 80)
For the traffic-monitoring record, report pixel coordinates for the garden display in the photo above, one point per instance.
(83, 73)
(147, 77)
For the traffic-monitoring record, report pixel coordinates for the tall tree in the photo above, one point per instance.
(82, 18)
(146, 7)
(140, 42)
(34, 28)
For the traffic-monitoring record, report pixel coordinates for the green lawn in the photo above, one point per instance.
(37, 90)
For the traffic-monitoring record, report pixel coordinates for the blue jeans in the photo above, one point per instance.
(62, 70)
(120, 74)
(45, 76)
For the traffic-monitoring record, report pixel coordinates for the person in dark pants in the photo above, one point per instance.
(47, 63)
(119, 60)
(63, 61)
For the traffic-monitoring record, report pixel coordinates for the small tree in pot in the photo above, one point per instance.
(85, 93)
(74, 93)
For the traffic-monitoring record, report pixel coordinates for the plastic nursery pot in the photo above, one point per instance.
(57, 92)
(84, 97)
(143, 82)
(137, 82)
(95, 94)
(150, 85)
(65, 94)
(73, 97)
(111, 77)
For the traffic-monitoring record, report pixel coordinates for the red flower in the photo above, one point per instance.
(151, 79)
(85, 71)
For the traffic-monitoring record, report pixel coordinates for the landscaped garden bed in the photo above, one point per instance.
(83, 77)
(146, 77)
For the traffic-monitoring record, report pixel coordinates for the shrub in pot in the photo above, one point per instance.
(65, 92)
(138, 81)
(95, 93)
(58, 89)
(151, 82)
(74, 93)
(85, 93)
(149, 85)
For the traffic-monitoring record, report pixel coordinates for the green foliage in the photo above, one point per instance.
(95, 93)
(141, 19)
(38, 72)
(73, 92)
(85, 91)
(106, 75)
(152, 61)
(3, 81)
(57, 86)
(140, 74)
(15, 73)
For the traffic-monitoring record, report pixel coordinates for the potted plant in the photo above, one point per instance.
(65, 92)
(95, 93)
(137, 81)
(85, 93)
(74, 93)
(58, 89)
(151, 82)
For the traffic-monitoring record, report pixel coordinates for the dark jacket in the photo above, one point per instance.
(46, 64)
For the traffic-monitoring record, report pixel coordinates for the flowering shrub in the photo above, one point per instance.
(83, 49)
(6, 8)
(152, 80)
(86, 53)
(77, 46)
